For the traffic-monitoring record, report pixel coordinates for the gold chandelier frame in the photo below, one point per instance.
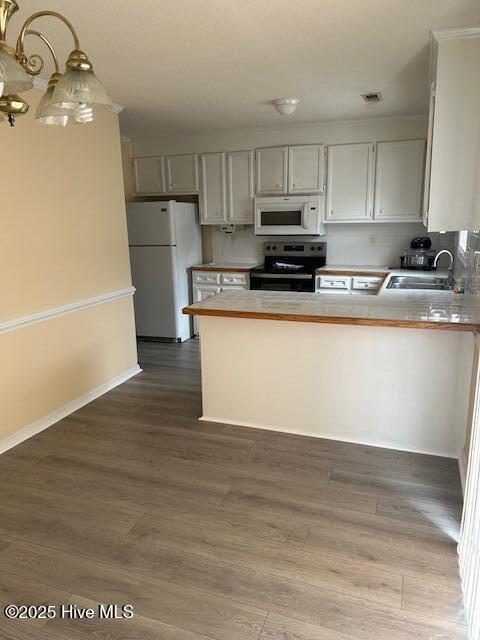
(33, 64)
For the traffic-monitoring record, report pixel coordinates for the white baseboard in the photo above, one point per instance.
(325, 436)
(67, 409)
(462, 467)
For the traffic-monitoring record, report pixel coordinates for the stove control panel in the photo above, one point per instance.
(278, 248)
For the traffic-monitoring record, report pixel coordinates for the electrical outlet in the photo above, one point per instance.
(371, 238)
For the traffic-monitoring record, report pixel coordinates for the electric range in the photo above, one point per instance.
(289, 266)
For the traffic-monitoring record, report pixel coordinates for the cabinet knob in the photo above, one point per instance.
(294, 184)
(279, 186)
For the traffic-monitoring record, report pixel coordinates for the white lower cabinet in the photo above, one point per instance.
(203, 292)
(208, 283)
(348, 284)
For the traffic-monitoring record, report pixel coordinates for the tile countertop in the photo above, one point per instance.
(237, 267)
(412, 309)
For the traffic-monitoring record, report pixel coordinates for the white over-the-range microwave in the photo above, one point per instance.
(288, 216)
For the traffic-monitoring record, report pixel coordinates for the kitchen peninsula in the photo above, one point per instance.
(387, 370)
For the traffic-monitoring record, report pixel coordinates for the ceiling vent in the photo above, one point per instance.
(372, 97)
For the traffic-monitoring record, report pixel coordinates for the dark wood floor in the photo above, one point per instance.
(221, 532)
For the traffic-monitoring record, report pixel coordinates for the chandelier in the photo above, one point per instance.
(72, 96)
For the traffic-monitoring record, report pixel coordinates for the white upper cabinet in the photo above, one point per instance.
(399, 180)
(240, 187)
(272, 170)
(149, 175)
(428, 157)
(181, 173)
(453, 200)
(350, 182)
(306, 169)
(212, 200)
(226, 187)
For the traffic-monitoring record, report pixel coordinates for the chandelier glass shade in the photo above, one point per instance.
(77, 87)
(13, 76)
(73, 96)
(48, 113)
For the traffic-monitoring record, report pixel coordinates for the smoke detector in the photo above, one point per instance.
(372, 97)
(286, 106)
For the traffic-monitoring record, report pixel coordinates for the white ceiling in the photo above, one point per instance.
(196, 65)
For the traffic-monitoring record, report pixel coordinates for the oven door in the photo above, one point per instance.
(282, 282)
(286, 217)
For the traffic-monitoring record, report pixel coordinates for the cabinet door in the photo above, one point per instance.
(181, 173)
(305, 168)
(149, 176)
(212, 200)
(203, 292)
(240, 187)
(428, 156)
(272, 168)
(455, 174)
(399, 180)
(349, 182)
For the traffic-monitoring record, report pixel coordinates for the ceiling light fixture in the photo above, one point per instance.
(70, 97)
(286, 106)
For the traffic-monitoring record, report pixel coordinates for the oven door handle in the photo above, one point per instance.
(284, 276)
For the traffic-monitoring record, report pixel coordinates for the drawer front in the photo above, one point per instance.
(341, 283)
(234, 287)
(367, 283)
(206, 277)
(240, 279)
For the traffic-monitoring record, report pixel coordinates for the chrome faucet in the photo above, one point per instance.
(450, 279)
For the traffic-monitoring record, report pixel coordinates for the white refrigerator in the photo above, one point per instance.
(164, 240)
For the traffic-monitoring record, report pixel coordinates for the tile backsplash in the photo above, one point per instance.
(347, 244)
(467, 266)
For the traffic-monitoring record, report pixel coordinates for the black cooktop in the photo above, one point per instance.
(290, 264)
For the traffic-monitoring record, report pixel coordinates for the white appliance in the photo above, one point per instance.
(288, 216)
(165, 240)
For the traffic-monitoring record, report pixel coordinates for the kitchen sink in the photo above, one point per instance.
(420, 283)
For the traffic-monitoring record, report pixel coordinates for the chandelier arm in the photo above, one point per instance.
(22, 58)
(32, 32)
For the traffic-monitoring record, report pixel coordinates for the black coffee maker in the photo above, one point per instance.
(421, 256)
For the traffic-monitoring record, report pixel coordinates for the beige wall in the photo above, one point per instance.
(63, 239)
